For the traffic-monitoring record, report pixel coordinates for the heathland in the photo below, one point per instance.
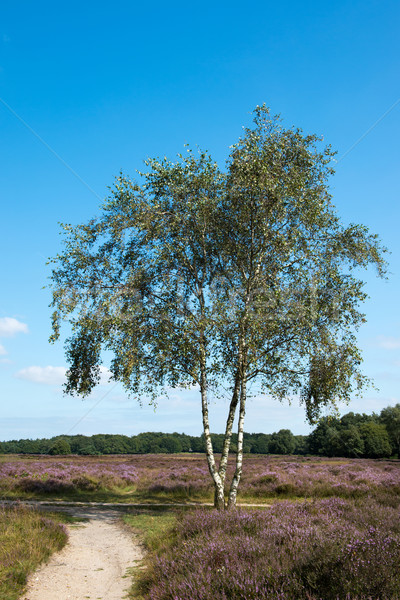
(324, 528)
(185, 477)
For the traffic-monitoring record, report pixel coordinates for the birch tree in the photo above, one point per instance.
(214, 277)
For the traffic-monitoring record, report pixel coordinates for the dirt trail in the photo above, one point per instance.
(93, 565)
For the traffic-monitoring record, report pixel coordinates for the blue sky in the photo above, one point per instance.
(88, 89)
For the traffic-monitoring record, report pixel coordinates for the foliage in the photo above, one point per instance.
(376, 440)
(354, 435)
(143, 443)
(282, 442)
(60, 446)
(27, 539)
(350, 442)
(199, 275)
(103, 444)
(390, 417)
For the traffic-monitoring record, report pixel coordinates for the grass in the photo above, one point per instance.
(155, 528)
(76, 495)
(28, 538)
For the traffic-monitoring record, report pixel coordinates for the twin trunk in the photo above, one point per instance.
(218, 473)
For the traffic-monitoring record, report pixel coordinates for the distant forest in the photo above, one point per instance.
(353, 436)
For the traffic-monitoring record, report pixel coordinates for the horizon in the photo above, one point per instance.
(85, 93)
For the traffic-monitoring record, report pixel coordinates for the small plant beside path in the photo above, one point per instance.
(27, 539)
(155, 527)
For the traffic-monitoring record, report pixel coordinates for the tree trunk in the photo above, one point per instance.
(239, 456)
(228, 430)
(219, 497)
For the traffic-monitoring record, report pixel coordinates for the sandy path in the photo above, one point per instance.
(93, 565)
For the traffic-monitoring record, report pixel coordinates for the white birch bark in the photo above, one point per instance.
(228, 430)
(239, 456)
(219, 499)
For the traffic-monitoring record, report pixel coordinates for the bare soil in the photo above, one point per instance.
(97, 563)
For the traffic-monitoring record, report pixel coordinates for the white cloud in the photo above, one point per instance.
(3, 351)
(47, 375)
(388, 342)
(54, 375)
(10, 326)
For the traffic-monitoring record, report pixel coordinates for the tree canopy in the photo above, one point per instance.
(390, 417)
(203, 276)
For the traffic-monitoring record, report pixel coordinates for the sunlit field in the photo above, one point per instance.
(129, 478)
(331, 532)
(324, 549)
(328, 528)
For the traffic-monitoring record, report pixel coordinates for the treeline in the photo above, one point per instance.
(358, 435)
(353, 435)
(283, 442)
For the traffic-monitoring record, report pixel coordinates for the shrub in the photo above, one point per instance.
(332, 549)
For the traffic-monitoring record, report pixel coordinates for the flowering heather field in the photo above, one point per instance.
(45, 475)
(327, 549)
(186, 477)
(342, 542)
